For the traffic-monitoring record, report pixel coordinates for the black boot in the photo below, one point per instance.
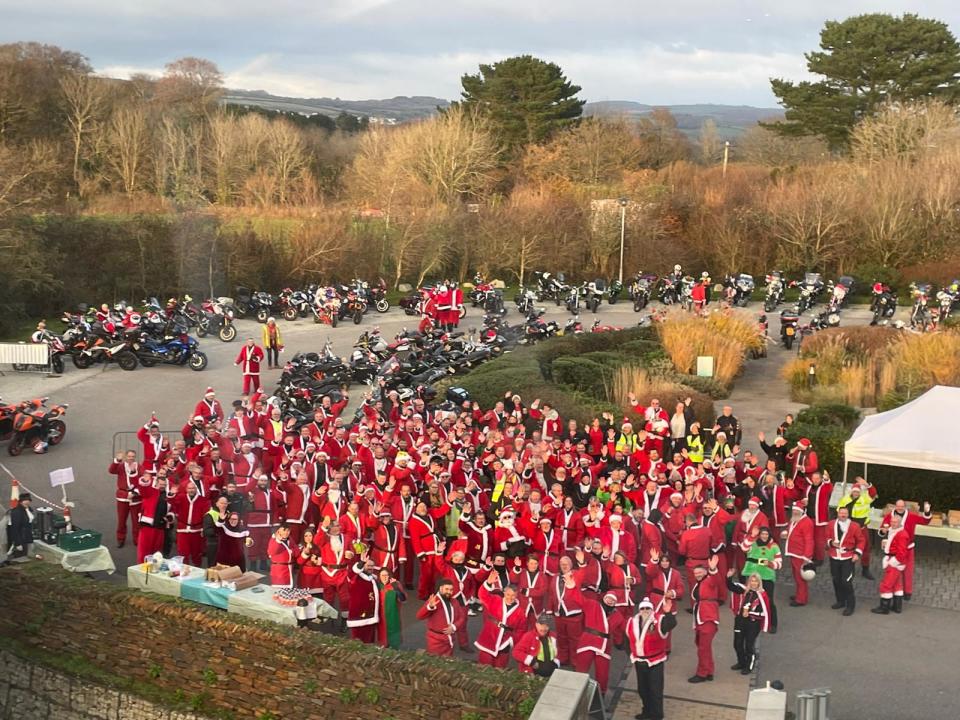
(907, 596)
(883, 608)
(867, 574)
(897, 604)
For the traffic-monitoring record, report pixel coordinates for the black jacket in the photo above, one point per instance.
(20, 530)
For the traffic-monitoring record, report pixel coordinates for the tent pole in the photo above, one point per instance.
(845, 465)
(865, 466)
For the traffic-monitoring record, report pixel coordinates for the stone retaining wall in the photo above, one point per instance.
(197, 659)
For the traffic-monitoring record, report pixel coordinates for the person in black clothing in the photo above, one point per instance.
(752, 617)
(785, 425)
(776, 452)
(20, 530)
(729, 425)
(216, 514)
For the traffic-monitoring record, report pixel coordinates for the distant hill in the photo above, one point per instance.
(398, 109)
(731, 120)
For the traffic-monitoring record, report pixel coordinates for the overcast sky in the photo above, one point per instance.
(662, 52)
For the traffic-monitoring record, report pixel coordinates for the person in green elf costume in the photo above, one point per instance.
(764, 559)
(391, 595)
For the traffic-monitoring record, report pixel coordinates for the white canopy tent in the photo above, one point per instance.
(914, 435)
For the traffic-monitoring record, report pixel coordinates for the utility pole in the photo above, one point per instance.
(726, 156)
(623, 227)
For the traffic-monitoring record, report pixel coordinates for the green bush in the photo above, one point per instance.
(843, 416)
(613, 342)
(705, 385)
(582, 374)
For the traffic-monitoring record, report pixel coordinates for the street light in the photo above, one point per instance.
(623, 225)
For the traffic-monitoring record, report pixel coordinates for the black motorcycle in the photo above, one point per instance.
(775, 288)
(614, 291)
(789, 322)
(883, 303)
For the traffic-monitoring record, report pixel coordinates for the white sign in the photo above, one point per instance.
(705, 366)
(63, 476)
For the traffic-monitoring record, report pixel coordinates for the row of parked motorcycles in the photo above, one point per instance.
(328, 304)
(129, 340)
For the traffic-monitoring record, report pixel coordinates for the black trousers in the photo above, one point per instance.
(650, 689)
(273, 355)
(841, 571)
(745, 632)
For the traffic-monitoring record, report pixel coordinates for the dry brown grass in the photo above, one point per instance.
(630, 378)
(724, 337)
(859, 366)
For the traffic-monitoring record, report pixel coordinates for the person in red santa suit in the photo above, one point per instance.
(127, 470)
(428, 312)
(548, 418)
(402, 507)
(388, 549)
(803, 460)
(896, 553)
(248, 360)
(308, 563)
(663, 583)
(706, 595)
(624, 580)
(155, 445)
(503, 621)
(546, 543)
(336, 554)
(209, 408)
(532, 583)
(455, 570)
(617, 539)
(153, 516)
(570, 524)
(749, 519)
(282, 557)
(647, 633)
(694, 547)
(189, 508)
(456, 302)
(265, 505)
(536, 650)
(817, 496)
(909, 521)
(602, 625)
(363, 611)
(798, 546)
(424, 541)
(565, 602)
(443, 617)
(233, 541)
(296, 492)
(479, 537)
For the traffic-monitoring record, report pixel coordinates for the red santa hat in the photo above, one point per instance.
(197, 417)
(209, 393)
(611, 596)
(645, 604)
(804, 443)
(800, 504)
(546, 520)
(678, 496)
(618, 518)
(753, 502)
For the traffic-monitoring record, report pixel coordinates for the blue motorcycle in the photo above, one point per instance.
(179, 349)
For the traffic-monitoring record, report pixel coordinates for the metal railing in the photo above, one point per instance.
(26, 357)
(813, 704)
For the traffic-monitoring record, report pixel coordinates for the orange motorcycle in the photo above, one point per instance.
(35, 424)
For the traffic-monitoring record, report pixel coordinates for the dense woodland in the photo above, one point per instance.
(113, 189)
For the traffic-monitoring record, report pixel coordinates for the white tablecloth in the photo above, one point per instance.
(160, 583)
(92, 560)
(261, 606)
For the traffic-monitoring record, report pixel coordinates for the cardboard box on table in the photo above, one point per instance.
(233, 577)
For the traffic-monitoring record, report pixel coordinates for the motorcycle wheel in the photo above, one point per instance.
(357, 317)
(334, 319)
(16, 445)
(227, 333)
(57, 431)
(262, 315)
(463, 312)
(612, 299)
(637, 305)
(148, 362)
(290, 314)
(316, 318)
(769, 306)
(57, 364)
(788, 342)
(82, 362)
(201, 330)
(382, 305)
(126, 360)
(594, 305)
(557, 300)
(240, 310)
(198, 361)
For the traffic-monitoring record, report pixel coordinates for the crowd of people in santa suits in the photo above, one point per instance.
(569, 542)
(440, 307)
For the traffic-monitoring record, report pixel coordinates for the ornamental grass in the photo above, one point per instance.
(724, 337)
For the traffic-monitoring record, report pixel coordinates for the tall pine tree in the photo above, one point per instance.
(526, 99)
(866, 61)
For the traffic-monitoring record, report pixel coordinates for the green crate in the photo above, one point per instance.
(79, 540)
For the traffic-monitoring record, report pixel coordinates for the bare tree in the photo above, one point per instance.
(191, 83)
(286, 156)
(129, 137)
(222, 151)
(84, 100)
(27, 175)
(711, 146)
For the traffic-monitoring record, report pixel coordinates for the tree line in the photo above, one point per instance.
(159, 183)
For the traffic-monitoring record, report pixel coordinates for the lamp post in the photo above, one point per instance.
(726, 156)
(623, 227)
